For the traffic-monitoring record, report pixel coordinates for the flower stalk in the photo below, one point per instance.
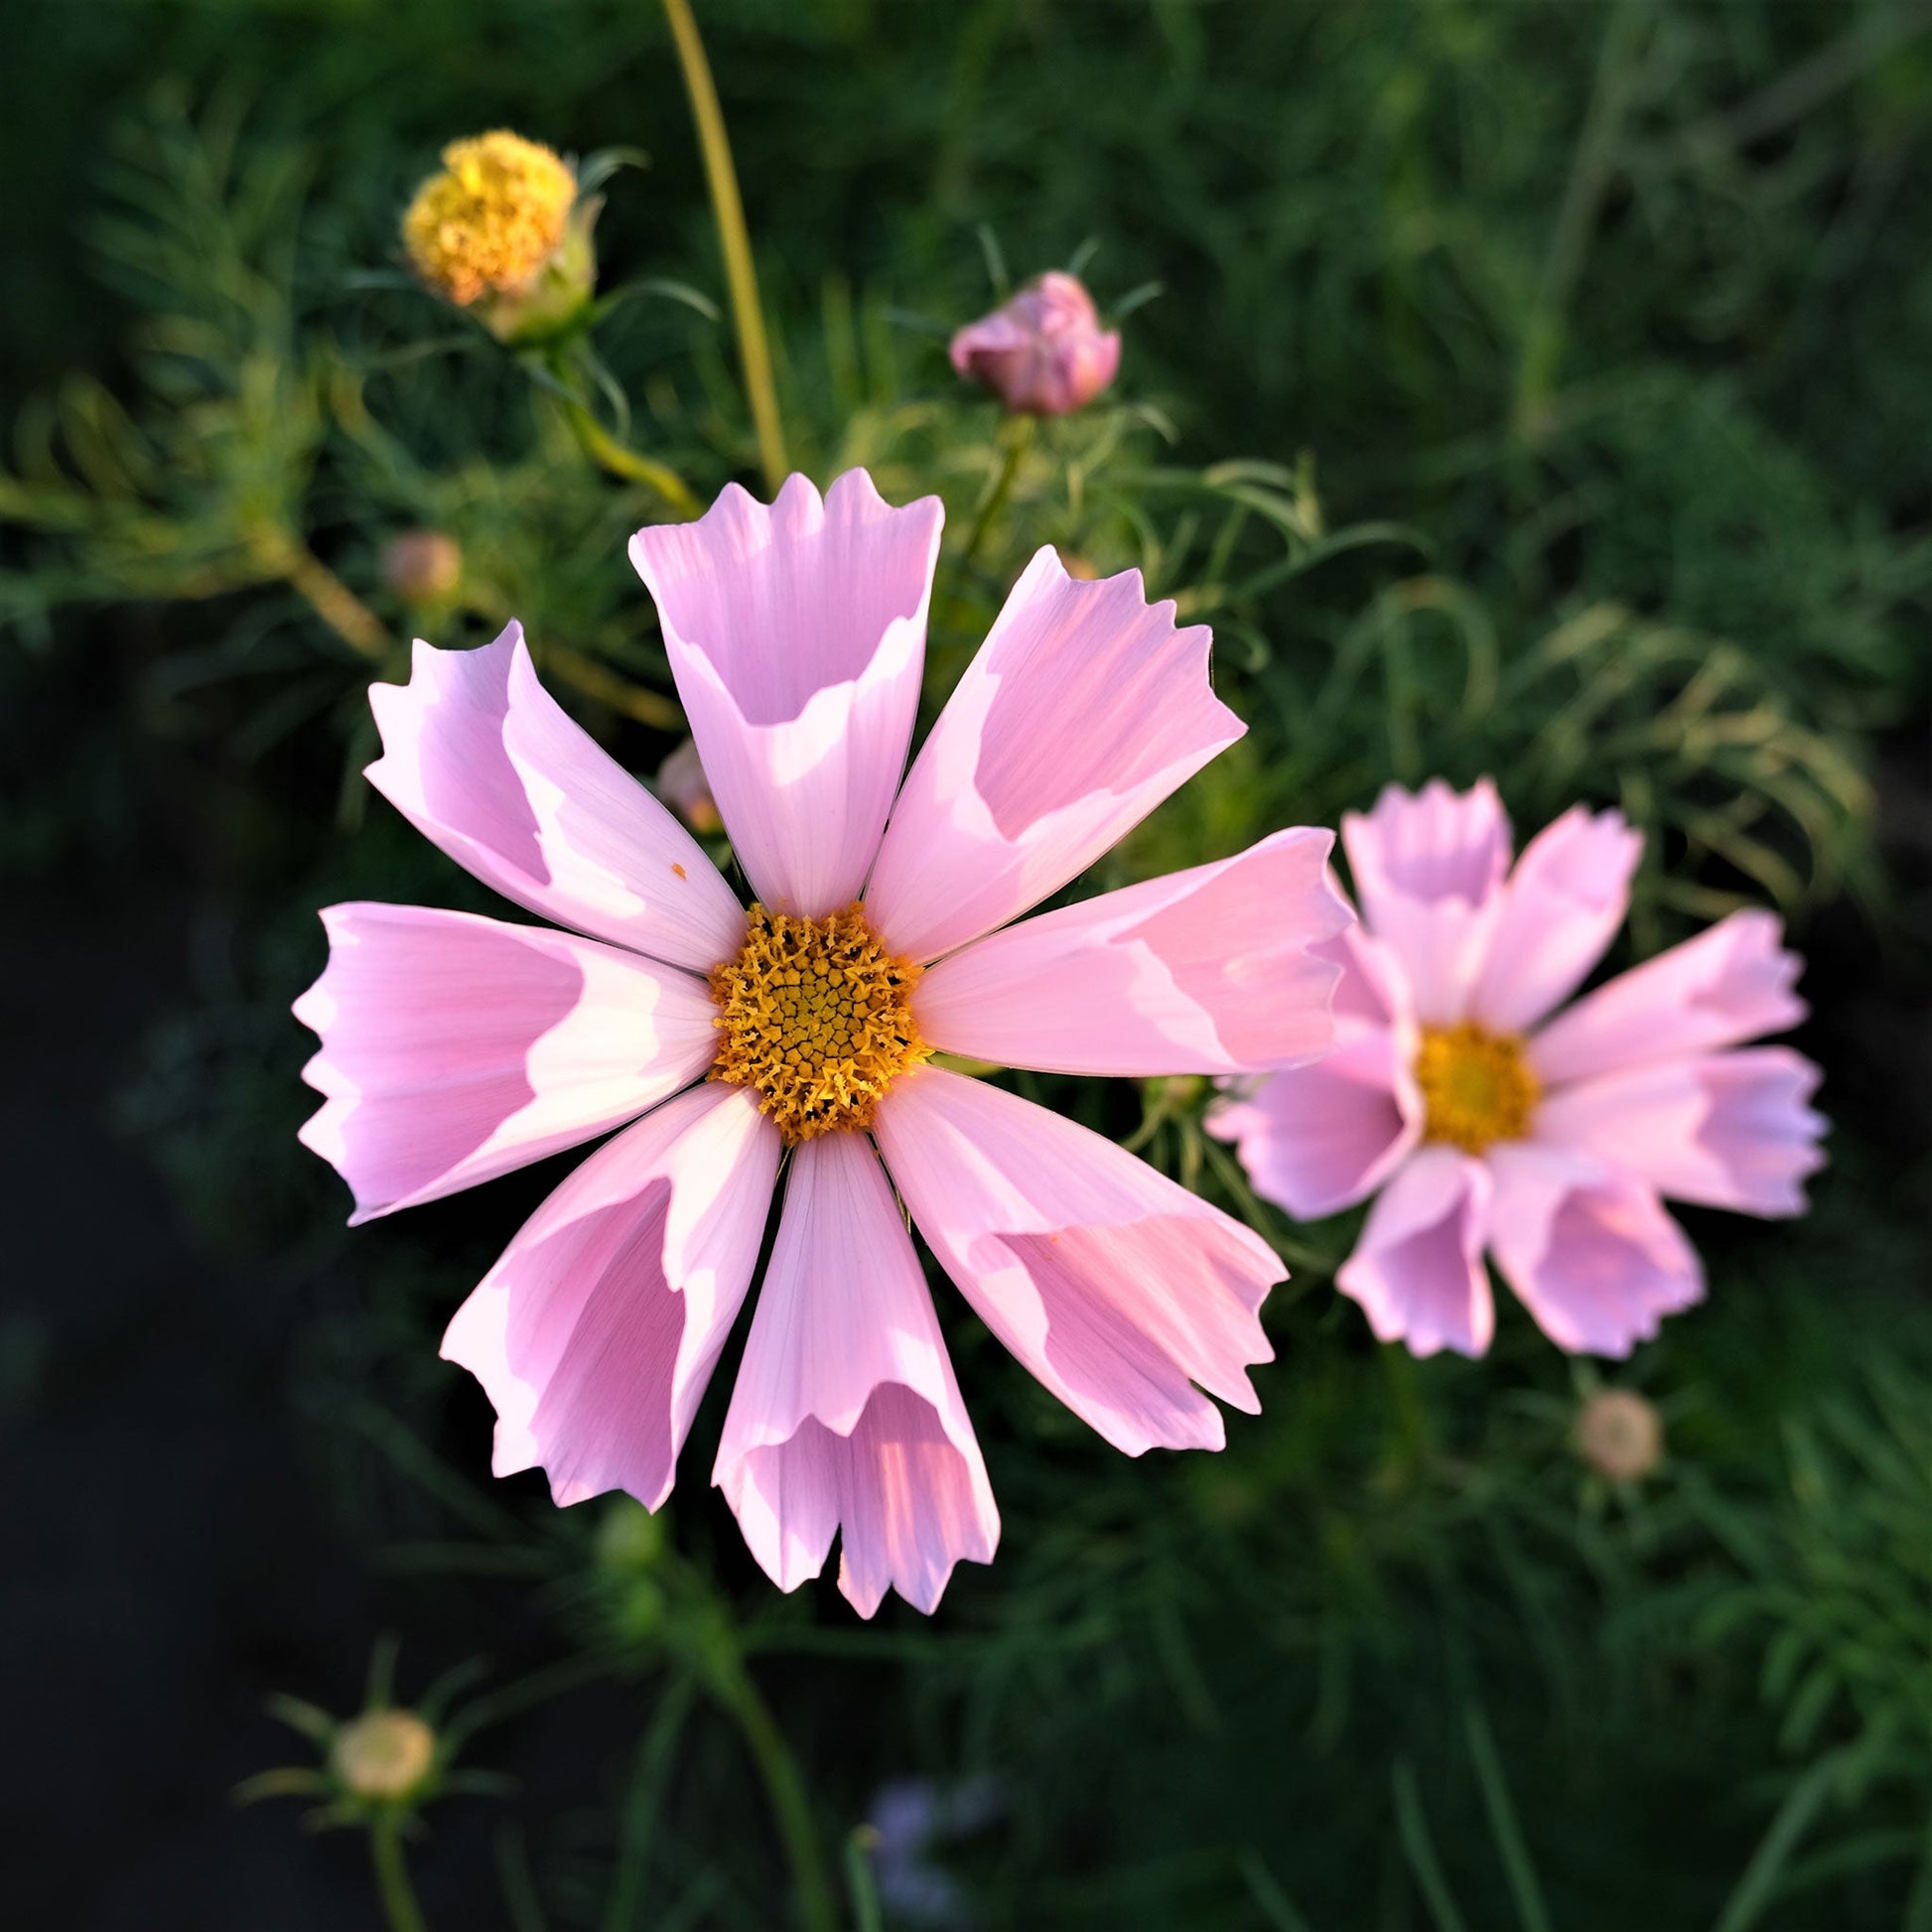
(398, 1896)
(741, 272)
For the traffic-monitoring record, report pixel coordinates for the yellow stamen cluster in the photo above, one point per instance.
(817, 1016)
(1476, 1086)
(491, 220)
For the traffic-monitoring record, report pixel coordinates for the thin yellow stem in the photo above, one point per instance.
(289, 558)
(621, 459)
(1018, 435)
(741, 273)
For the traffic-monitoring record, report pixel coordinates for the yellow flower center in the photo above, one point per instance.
(491, 220)
(1476, 1086)
(817, 1016)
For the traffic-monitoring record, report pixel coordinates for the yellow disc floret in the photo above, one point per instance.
(1476, 1086)
(817, 1016)
(491, 220)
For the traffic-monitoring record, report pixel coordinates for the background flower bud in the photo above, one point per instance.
(383, 1756)
(683, 787)
(1619, 1434)
(1043, 353)
(422, 566)
(499, 232)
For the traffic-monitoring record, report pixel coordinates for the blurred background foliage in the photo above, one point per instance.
(1531, 388)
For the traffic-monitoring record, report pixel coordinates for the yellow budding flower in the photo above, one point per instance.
(493, 220)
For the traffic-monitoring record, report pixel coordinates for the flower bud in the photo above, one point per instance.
(499, 232)
(1043, 353)
(422, 566)
(384, 1756)
(1619, 1434)
(683, 787)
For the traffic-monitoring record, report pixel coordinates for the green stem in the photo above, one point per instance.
(392, 1884)
(621, 459)
(1018, 440)
(740, 274)
(778, 1771)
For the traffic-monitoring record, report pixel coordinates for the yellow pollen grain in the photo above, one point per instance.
(816, 1016)
(491, 218)
(1476, 1086)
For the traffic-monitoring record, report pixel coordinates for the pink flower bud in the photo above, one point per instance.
(1043, 353)
(683, 787)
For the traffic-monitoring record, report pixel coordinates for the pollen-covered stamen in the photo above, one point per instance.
(1476, 1086)
(816, 1015)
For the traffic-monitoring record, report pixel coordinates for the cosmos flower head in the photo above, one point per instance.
(499, 230)
(1042, 352)
(800, 1031)
(1484, 1116)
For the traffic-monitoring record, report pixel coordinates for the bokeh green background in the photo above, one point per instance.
(1583, 354)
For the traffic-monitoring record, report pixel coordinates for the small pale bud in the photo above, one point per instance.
(1619, 1434)
(383, 1756)
(1043, 353)
(683, 787)
(422, 566)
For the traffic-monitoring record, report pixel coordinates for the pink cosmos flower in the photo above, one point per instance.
(1481, 1122)
(798, 1032)
(1044, 352)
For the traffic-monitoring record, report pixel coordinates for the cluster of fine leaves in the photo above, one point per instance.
(1530, 391)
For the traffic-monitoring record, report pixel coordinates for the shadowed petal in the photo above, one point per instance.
(1728, 985)
(1315, 1140)
(797, 637)
(1082, 711)
(482, 762)
(1212, 970)
(1589, 1251)
(595, 1335)
(1557, 914)
(1428, 870)
(1418, 1269)
(1726, 1130)
(1119, 1290)
(846, 1414)
(454, 1048)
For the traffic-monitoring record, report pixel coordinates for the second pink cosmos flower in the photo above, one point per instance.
(1483, 1118)
(454, 1048)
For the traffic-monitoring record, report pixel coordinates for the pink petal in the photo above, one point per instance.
(1117, 1288)
(596, 1333)
(1727, 1130)
(1373, 989)
(1559, 913)
(797, 639)
(1428, 870)
(846, 1412)
(481, 761)
(1206, 971)
(1082, 711)
(1418, 1269)
(454, 1048)
(1728, 985)
(1315, 1140)
(1591, 1252)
